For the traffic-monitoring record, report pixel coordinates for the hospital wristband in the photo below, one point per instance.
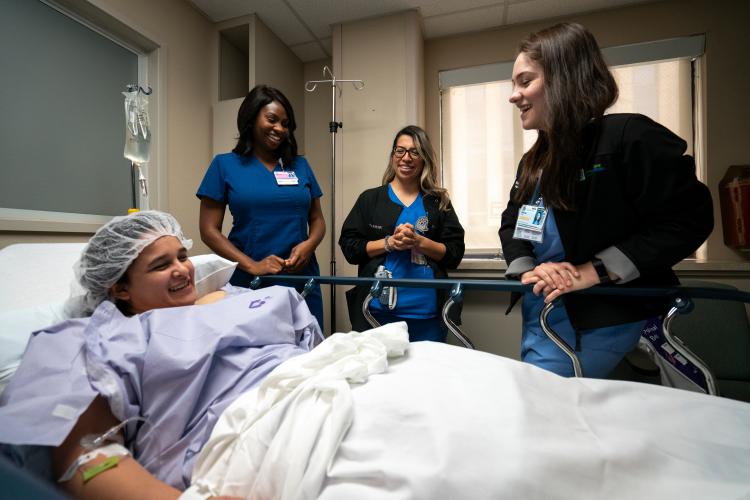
(111, 450)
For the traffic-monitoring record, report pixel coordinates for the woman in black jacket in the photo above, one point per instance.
(408, 227)
(597, 200)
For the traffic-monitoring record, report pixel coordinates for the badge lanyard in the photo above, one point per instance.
(285, 178)
(531, 218)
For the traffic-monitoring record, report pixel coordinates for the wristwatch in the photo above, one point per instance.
(601, 271)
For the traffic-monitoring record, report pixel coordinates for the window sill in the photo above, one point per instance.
(12, 219)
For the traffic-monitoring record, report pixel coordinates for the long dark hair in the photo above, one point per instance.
(256, 99)
(429, 181)
(578, 87)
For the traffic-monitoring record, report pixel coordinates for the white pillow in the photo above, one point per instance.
(211, 273)
(15, 330)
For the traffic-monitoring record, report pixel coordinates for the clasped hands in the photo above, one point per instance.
(405, 237)
(273, 264)
(552, 279)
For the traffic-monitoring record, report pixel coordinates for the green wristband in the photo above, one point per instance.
(94, 471)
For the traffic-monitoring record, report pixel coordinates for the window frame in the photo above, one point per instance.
(151, 64)
(692, 47)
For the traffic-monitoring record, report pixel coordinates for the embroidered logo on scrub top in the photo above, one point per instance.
(598, 167)
(423, 224)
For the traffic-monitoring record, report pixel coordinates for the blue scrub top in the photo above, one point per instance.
(267, 219)
(417, 303)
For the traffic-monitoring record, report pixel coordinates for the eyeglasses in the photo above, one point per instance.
(399, 152)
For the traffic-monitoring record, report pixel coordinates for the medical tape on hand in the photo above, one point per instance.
(111, 450)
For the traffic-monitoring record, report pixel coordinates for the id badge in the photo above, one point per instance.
(285, 178)
(530, 223)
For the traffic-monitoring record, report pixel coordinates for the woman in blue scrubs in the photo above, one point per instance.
(272, 194)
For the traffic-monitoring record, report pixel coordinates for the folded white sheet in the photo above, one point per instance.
(277, 440)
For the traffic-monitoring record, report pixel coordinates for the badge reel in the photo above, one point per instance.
(388, 296)
(530, 223)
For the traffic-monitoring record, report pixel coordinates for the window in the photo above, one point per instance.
(62, 143)
(482, 138)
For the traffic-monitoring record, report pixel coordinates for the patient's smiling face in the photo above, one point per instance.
(161, 276)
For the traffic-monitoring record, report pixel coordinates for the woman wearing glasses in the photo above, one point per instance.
(405, 228)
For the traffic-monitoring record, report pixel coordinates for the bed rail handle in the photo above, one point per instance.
(456, 297)
(308, 287)
(375, 290)
(554, 337)
(255, 283)
(683, 305)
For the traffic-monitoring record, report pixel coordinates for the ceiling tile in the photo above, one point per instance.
(307, 52)
(221, 10)
(535, 10)
(430, 8)
(464, 21)
(282, 21)
(320, 15)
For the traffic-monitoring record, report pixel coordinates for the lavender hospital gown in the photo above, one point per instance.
(179, 368)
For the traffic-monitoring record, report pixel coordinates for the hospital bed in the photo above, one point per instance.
(677, 363)
(450, 422)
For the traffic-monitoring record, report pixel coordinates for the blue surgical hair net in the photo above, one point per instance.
(111, 251)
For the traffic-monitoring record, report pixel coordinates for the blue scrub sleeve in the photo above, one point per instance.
(315, 190)
(214, 184)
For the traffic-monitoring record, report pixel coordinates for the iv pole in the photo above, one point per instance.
(333, 127)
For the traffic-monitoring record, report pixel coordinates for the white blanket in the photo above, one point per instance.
(446, 422)
(277, 440)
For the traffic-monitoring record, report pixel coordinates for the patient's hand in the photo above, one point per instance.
(212, 297)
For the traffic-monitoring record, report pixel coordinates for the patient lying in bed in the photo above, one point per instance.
(146, 356)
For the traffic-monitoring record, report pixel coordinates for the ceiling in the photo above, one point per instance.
(305, 25)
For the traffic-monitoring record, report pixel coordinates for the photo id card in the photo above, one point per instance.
(530, 223)
(285, 178)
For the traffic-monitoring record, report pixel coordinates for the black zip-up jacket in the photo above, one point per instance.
(374, 216)
(638, 207)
